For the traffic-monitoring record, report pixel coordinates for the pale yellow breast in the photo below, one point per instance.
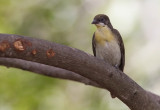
(103, 34)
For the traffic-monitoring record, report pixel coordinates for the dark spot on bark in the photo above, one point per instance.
(50, 53)
(135, 93)
(3, 46)
(34, 52)
(111, 75)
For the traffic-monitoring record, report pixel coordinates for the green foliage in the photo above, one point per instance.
(23, 90)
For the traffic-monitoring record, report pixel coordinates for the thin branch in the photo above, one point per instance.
(46, 70)
(118, 83)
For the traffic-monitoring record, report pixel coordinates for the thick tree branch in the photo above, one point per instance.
(128, 91)
(46, 70)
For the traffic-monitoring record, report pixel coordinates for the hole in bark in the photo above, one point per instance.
(50, 53)
(21, 44)
(3, 46)
(34, 52)
(18, 45)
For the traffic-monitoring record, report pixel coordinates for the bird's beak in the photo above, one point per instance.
(94, 22)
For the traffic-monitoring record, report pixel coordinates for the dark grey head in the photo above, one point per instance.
(102, 20)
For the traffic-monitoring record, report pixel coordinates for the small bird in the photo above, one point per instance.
(107, 43)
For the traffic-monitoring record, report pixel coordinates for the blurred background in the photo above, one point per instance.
(68, 22)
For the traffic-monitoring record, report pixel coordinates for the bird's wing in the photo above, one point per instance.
(120, 42)
(94, 45)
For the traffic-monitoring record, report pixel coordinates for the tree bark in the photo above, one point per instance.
(79, 62)
(46, 70)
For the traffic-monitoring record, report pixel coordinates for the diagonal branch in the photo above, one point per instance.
(118, 83)
(46, 70)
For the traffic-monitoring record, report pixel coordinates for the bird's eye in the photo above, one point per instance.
(102, 20)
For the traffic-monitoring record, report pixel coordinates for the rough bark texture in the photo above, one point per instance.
(46, 70)
(100, 72)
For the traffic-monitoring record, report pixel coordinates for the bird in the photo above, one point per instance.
(107, 43)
